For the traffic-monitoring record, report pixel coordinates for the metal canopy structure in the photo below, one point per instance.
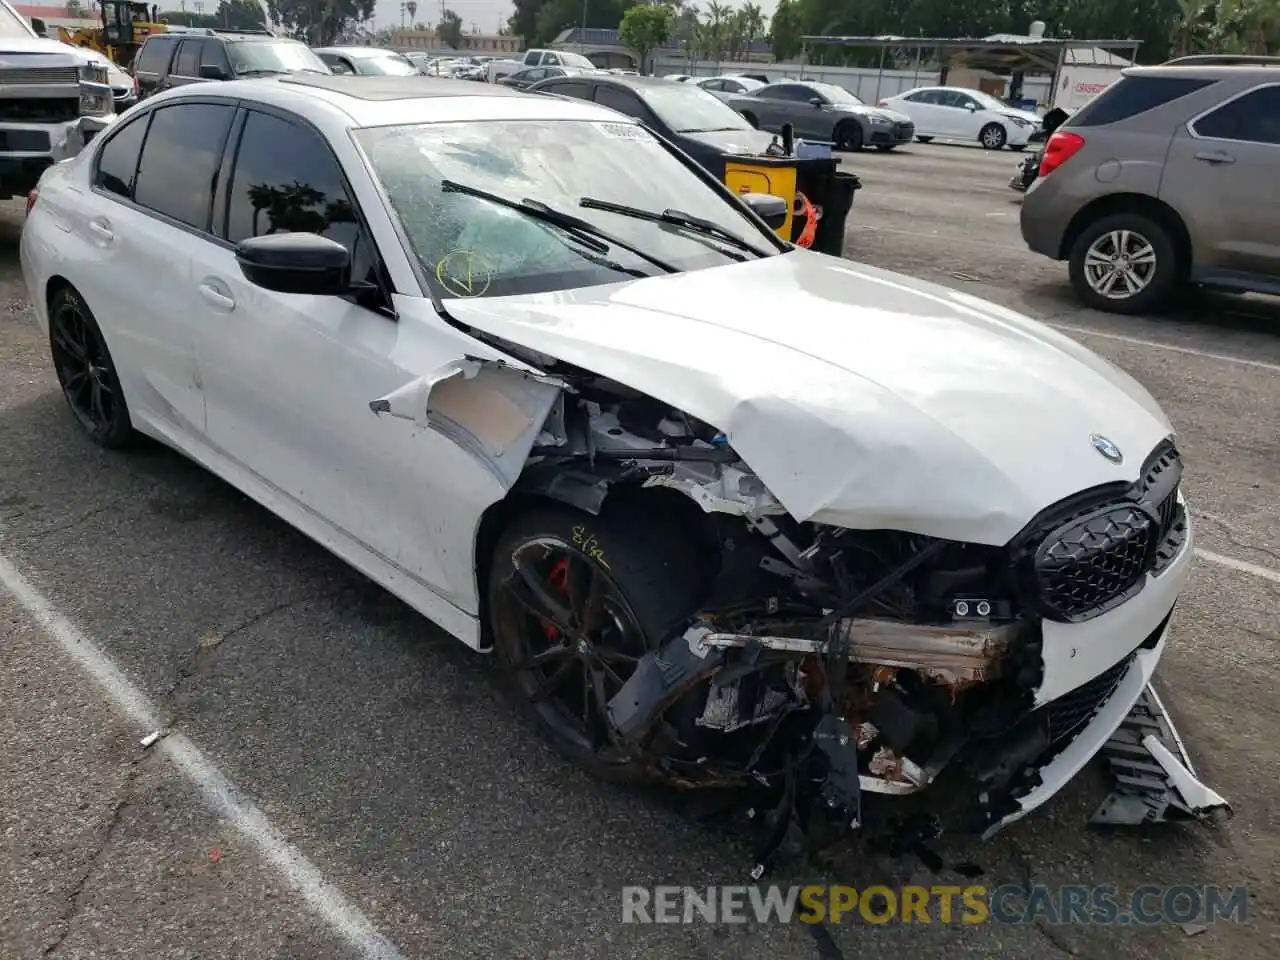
(1000, 53)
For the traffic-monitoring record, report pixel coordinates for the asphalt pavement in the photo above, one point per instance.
(341, 780)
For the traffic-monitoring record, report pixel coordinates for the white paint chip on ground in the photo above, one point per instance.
(1173, 348)
(325, 900)
(1242, 566)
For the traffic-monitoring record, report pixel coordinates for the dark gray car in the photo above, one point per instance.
(682, 113)
(1168, 176)
(523, 79)
(823, 111)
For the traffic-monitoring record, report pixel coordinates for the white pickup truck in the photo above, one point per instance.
(538, 58)
(53, 99)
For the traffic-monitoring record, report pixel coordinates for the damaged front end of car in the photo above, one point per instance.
(825, 663)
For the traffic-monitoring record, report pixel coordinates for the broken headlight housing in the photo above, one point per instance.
(96, 99)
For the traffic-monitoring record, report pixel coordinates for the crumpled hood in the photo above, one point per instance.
(860, 397)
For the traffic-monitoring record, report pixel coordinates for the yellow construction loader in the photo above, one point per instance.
(125, 25)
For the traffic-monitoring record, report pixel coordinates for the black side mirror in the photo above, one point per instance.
(304, 263)
(210, 71)
(772, 210)
(817, 101)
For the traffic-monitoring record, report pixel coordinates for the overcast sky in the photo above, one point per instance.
(486, 14)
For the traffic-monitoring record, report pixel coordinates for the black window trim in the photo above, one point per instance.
(1191, 124)
(220, 196)
(173, 61)
(161, 40)
(149, 113)
(226, 170)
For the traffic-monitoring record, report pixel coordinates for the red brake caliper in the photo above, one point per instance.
(557, 580)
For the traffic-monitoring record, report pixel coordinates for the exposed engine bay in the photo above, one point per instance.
(825, 663)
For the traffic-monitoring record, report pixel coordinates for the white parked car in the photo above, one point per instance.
(957, 113)
(728, 86)
(725, 510)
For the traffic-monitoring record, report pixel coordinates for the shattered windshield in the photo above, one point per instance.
(278, 55)
(471, 246)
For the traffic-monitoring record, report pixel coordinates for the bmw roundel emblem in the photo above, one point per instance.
(1106, 448)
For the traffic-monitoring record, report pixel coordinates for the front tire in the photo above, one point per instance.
(1125, 263)
(924, 139)
(848, 136)
(574, 601)
(885, 147)
(992, 136)
(86, 371)
(1017, 147)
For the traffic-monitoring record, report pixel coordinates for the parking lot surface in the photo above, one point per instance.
(383, 799)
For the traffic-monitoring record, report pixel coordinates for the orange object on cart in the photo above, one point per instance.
(810, 230)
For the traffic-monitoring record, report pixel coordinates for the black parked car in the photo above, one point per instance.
(523, 79)
(202, 56)
(688, 116)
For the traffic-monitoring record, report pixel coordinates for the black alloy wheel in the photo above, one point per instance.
(85, 371)
(570, 626)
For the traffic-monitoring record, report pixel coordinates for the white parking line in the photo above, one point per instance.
(1242, 566)
(325, 900)
(1137, 341)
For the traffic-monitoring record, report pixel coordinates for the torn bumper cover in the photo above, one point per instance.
(1126, 724)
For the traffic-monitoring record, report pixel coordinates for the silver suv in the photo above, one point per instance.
(1168, 176)
(54, 98)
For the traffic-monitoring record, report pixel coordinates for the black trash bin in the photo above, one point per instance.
(835, 213)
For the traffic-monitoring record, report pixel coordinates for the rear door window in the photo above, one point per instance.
(1252, 118)
(573, 88)
(154, 56)
(180, 161)
(1130, 96)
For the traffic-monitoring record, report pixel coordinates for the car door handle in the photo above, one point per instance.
(101, 229)
(1215, 156)
(215, 297)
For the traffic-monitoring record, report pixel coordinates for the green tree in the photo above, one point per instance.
(319, 21)
(450, 29)
(645, 28)
(241, 15)
(538, 22)
(785, 29)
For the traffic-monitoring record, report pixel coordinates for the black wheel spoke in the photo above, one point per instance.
(529, 591)
(543, 659)
(619, 658)
(66, 344)
(75, 381)
(552, 684)
(96, 410)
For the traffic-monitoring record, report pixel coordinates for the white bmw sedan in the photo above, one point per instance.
(725, 511)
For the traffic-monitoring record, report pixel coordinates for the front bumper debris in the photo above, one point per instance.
(28, 149)
(1154, 779)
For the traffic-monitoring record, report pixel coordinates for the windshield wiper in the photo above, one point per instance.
(259, 71)
(586, 232)
(676, 218)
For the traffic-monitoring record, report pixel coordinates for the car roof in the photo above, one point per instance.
(336, 104)
(1207, 71)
